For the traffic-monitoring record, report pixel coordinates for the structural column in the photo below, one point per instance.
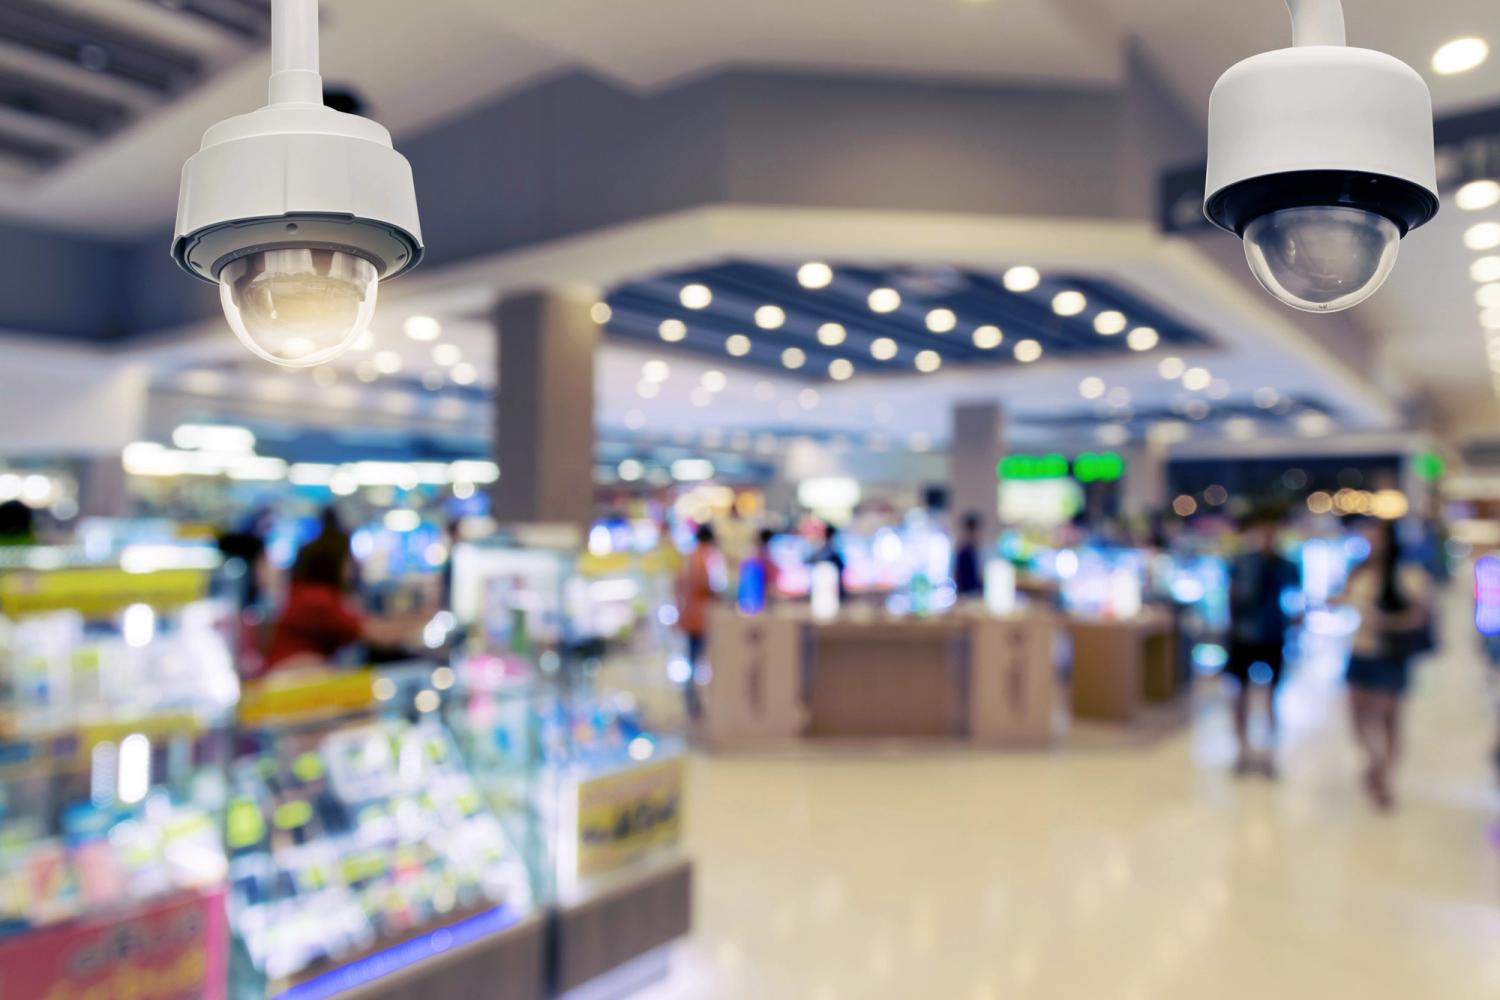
(1145, 486)
(978, 444)
(544, 433)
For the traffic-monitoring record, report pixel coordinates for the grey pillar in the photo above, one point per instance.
(974, 457)
(101, 488)
(544, 434)
(1145, 486)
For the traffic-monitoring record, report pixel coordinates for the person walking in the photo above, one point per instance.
(697, 589)
(968, 571)
(1258, 579)
(1393, 599)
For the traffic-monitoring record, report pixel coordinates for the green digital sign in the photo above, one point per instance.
(1089, 467)
(1429, 466)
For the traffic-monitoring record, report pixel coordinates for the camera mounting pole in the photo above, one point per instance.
(1317, 22)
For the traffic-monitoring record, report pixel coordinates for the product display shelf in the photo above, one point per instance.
(604, 793)
(365, 857)
(115, 694)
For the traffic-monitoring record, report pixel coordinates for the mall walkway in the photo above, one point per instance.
(1124, 874)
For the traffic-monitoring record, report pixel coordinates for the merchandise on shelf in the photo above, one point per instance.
(113, 745)
(351, 831)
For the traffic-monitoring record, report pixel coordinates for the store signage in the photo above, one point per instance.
(98, 591)
(1468, 149)
(1089, 467)
(625, 814)
(172, 950)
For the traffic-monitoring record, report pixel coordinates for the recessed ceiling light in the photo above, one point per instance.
(696, 296)
(941, 320)
(387, 362)
(1069, 303)
(1460, 56)
(1022, 279)
(794, 357)
(463, 373)
(423, 328)
(672, 330)
(1483, 236)
(1196, 379)
(1265, 397)
(1027, 351)
(840, 369)
(1142, 338)
(447, 355)
(831, 334)
(363, 342)
(988, 337)
(1219, 388)
(1490, 319)
(815, 274)
(928, 361)
(1091, 388)
(1170, 368)
(882, 349)
(808, 398)
(1477, 195)
(1240, 428)
(770, 317)
(714, 380)
(655, 370)
(1485, 269)
(601, 313)
(1488, 296)
(884, 300)
(1109, 322)
(737, 344)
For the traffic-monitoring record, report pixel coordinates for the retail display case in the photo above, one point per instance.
(116, 689)
(603, 793)
(364, 853)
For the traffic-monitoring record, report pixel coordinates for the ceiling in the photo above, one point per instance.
(978, 320)
(124, 138)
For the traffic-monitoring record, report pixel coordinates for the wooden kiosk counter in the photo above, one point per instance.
(966, 676)
(963, 676)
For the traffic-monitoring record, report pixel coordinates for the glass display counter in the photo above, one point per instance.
(363, 850)
(115, 695)
(603, 794)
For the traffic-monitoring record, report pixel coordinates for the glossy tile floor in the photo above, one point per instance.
(1112, 872)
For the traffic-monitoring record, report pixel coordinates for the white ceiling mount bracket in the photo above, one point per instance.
(1317, 22)
(1320, 157)
(297, 211)
(295, 71)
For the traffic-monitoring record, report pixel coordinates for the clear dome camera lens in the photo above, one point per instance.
(1322, 259)
(299, 307)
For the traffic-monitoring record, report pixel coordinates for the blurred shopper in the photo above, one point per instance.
(17, 524)
(759, 576)
(1258, 578)
(1393, 599)
(968, 569)
(696, 590)
(246, 545)
(320, 620)
(828, 552)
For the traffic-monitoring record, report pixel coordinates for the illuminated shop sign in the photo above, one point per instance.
(1089, 467)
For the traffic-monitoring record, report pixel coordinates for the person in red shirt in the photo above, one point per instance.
(319, 620)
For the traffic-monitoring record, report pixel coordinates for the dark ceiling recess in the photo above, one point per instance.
(976, 299)
(107, 49)
(80, 77)
(250, 19)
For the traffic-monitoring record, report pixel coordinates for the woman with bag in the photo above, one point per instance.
(1394, 602)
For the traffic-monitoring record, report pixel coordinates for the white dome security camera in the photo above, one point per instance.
(1321, 158)
(297, 211)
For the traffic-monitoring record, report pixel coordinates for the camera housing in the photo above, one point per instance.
(1321, 159)
(297, 211)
